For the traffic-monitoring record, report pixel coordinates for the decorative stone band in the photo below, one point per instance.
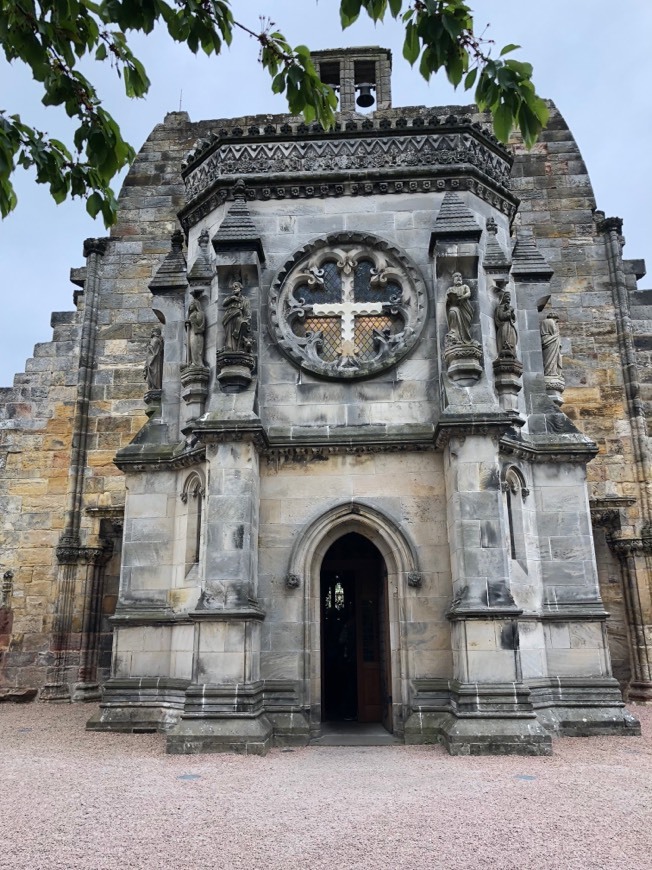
(295, 165)
(608, 512)
(418, 181)
(378, 122)
(368, 149)
(70, 555)
(168, 457)
(629, 546)
(577, 449)
(463, 425)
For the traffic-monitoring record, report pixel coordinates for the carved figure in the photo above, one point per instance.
(459, 311)
(237, 320)
(551, 345)
(506, 334)
(153, 370)
(196, 326)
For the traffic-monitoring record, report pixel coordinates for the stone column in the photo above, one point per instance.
(224, 704)
(637, 557)
(69, 551)
(492, 707)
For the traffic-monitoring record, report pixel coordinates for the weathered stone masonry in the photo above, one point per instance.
(197, 557)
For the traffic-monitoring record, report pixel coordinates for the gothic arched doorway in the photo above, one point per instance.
(355, 633)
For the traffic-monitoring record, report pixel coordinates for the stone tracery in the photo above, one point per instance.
(348, 306)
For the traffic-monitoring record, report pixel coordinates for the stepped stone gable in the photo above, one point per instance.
(397, 470)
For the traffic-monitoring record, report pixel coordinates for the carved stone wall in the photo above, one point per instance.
(36, 414)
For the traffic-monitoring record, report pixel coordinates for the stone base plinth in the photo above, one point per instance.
(86, 692)
(55, 692)
(507, 379)
(554, 388)
(640, 692)
(15, 695)
(290, 728)
(465, 370)
(239, 734)
(222, 718)
(235, 370)
(139, 704)
(476, 719)
(479, 735)
(577, 707)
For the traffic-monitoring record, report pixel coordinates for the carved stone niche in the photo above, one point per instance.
(347, 306)
(463, 355)
(236, 361)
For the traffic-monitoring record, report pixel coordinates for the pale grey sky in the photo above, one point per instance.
(592, 57)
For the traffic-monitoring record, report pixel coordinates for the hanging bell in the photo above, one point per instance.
(365, 97)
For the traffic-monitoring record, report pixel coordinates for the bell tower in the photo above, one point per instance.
(361, 77)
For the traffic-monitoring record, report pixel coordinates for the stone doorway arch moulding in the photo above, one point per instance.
(400, 557)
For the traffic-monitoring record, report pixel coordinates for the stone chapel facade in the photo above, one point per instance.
(344, 425)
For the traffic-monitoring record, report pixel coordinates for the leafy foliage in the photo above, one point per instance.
(52, 36)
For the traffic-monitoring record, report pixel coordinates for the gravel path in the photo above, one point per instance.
(73, 799)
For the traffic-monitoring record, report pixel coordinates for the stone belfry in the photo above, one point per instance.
(338, 441)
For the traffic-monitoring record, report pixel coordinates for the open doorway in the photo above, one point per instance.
(355, 633)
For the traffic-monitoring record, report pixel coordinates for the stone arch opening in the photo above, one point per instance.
(398, 563)
(355, 671)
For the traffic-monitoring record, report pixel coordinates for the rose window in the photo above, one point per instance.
(347, 306)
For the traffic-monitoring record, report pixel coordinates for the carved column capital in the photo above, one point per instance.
(610, 224)
(95, 246)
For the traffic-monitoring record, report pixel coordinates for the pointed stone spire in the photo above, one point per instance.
(528, 263)
(202, 269)
(495, 259)
(171, 274)
(455, 221)
(237, 231)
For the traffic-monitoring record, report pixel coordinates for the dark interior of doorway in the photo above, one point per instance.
(355, 636)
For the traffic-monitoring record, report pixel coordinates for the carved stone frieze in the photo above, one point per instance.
(159, 460)
(420, 182)
(282, 455)
(71, 555)
(347, 306)
(318, 156)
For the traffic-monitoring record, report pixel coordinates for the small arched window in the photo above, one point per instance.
(516, 492)
(192, 496)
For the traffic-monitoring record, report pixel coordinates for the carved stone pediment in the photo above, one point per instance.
(347, 306)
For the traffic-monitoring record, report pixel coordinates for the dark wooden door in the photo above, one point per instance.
(355, 643)
(368, 626)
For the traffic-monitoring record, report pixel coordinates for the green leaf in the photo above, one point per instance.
(411, 46)
(349, 12)
(508, 48)
(503, 119)
(471, 76)
(94, 204)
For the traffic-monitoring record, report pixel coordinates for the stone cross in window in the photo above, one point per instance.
(347, 310)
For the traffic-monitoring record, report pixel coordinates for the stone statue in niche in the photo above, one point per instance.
(196, 329)
(459, 311)
(551, 345)
(505, 321)
(463, 355)
(237, 321)
(153, 371)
